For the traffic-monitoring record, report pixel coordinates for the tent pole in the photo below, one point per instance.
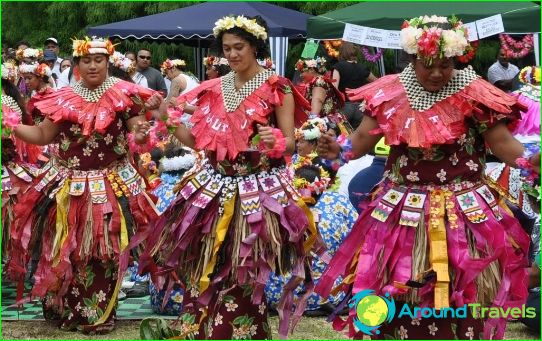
(199, 60)
(536, 47)
(382, 68)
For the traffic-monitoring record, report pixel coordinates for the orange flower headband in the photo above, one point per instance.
(40, 70)
(28, 53)
(170, 64)
(214, 61)
(94, 45)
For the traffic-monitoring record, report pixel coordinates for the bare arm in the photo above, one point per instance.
(336, 77)
(362, 141)
(502, 144)
(318, 98)
(285, 121)
(41, 135)
(177, 86)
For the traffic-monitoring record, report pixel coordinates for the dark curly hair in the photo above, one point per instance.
(261, 46)
(222, 69)
(11, 90)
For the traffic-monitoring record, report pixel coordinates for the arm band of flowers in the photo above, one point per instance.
(524, 163)
(141, 148)
(280, 145)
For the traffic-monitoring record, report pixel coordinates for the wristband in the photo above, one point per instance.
(278, 149)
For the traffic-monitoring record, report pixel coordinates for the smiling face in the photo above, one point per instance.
(93, 70)
(240, 54)
(435, 76)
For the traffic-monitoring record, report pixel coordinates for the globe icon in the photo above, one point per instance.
(372, 310)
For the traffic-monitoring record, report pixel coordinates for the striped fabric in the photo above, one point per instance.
(279, 51)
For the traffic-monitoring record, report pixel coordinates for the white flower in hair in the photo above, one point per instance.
(409, 39)
(455, 43)
(249, 25)
(176, 163)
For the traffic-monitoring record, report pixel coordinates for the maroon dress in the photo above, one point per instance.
(433, 233)
(236, 218)
(86, 210)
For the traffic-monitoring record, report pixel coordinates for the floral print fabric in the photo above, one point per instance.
(86, 300)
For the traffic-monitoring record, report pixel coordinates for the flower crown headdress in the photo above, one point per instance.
(40, 70)
(434, 37)
(249, 25)
(530, 75)
(171, 63)
(319, 64)
(311, 129)
(214, 61)
(28, 53)
(119, 61)
(93, 45)
(320, 183)
(9, 71)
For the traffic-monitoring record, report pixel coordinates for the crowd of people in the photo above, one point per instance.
(229, 196)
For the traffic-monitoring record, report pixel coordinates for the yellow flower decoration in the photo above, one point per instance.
(249, 25)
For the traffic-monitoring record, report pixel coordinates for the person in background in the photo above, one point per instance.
(181, 81)
(349, 74)
(51, 44)
(215, 67)
(27, 56)
(49, 58)
(136, 75)
(363, 182)
(21, 45)
(65, 64)
(154, 78)
(502, 73)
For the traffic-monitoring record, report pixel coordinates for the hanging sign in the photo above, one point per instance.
(489, 26)
(310, 49)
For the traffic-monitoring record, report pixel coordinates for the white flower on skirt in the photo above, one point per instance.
(403, 333)
(413, 176)
(78, 306)
(453, 158)
(442, 175)
(101, 296)
(253, 330)
(261, 308)
(403, 161)
(194, 292)
(218, 319)
(472, 166)
(231, 306)
(432, 329)
(470, 333)
(416, 321)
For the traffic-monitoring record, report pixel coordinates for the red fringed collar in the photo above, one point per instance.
(224, 122)
(93, 110)
(443, 118)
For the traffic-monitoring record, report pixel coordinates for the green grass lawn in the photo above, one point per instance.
(308, 329)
